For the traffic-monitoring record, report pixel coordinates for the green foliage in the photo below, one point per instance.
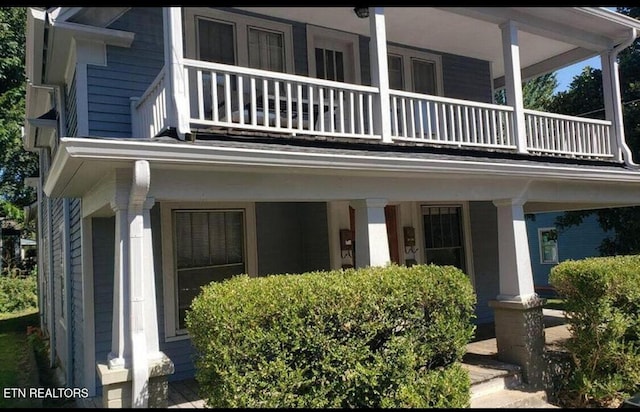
(18, 293)
(602, 300)
(15, 162)
(537, 93)
(373, 337)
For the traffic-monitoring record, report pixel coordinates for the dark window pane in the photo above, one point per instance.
(215, 40)
(330, 64)
(339, 67)
(424, 76)
(395, 72)
(320, 63)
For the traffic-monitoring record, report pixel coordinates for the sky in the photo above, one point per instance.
(566, 75)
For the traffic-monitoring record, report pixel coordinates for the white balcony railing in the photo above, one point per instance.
(149, 112)
(230, 97)
(568, 135)
(242, 98)
(441, 120)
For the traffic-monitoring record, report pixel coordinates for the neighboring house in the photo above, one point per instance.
(549, 245)
(184, 145)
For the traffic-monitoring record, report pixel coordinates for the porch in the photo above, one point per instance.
(480, 362)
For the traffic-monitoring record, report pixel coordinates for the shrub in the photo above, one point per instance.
(18, 293)
(372, 337)
(602, 298)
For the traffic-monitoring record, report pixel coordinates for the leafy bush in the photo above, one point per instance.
(372, 337)
(18, 293)
(602, 298)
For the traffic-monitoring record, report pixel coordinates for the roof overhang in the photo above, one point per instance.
(80, 164)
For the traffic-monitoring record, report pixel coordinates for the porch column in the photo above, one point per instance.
(513, 81)
(372, 246)
(178, 110)
(380, 73)
(136, 372)
(517, 309)
(613, 105)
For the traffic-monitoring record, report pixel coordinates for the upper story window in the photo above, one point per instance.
(414, 71)
(232, 38)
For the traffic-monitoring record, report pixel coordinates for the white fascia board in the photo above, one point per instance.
(34, 40)
(77, 150)
(108, 36)
(63, 13)
(614, 16)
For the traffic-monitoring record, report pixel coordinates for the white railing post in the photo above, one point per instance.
(178, 108)
(380, 73)
(513, 82)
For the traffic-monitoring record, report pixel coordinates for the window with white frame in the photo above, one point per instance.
(548, 242)
(414, 70)
(209, 246)
(233, 38)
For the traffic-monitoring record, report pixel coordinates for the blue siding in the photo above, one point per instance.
(574, 243)
(484, 240)
(128, 73)
(77, 314)
(103, 235)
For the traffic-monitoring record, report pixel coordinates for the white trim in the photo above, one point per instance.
(350, 40)
(409, 53)
(168, 265)
(88, 306)
(547, 229)
(117, 38)
(241, 24)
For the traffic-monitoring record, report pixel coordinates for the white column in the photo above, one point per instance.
(613, 105)
(120, 355)
(380, 73)
(513, 81)
(516, 278)
(178, 110)
(372, 245)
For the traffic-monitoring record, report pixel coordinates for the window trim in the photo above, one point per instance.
(541, 248)
(169, 273)
(326, 34)
(241, 24)
(407, 54)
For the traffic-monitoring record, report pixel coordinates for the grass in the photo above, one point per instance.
(555, 303)
(17, 370)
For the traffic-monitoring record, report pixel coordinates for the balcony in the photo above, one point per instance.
(231, 98)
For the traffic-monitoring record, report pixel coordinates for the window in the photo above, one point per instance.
(333, 54)
(548, 241)
(202, 242)
(444, 243)
(209, 247)
(414, 70)
(266, 50)
(231, 38)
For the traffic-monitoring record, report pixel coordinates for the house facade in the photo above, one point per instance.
(550, 245)
(184, 145)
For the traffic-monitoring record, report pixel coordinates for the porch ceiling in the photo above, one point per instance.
(564, 35)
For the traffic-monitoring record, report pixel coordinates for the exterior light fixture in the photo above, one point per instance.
(361, 12)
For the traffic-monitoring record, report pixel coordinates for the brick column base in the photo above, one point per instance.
(520, 336)
(116, 384)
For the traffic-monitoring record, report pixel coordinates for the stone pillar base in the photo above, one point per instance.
(520, 336)
(116, 384)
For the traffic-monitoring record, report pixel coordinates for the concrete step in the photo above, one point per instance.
(519, 397)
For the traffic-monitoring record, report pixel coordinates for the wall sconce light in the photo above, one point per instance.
(361, 12)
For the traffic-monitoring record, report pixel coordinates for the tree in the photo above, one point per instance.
(15, 162)
(584, 97)
(537, 93)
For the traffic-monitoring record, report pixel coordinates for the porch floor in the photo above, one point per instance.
(480, 360)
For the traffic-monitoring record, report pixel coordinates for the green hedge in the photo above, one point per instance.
(18, 293)
(603, 305)
(373, 337)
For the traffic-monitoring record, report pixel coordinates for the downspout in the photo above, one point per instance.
(617, 97)
(137, 197)
(68, 292)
